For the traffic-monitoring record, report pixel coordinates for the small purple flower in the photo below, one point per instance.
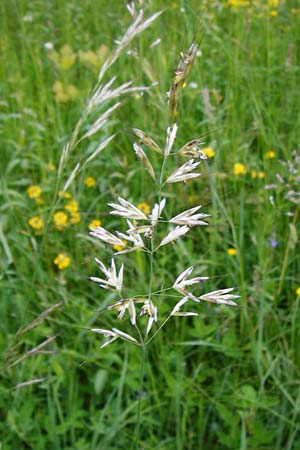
(273, 242)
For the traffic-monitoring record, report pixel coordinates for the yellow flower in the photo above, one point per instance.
(36, 222)
(59, 93)
(34, 191)
(72, 92)
(64, 94)
(62, 261)
(144, 207)
(274, 3)
(64, 194)
(270, 154)
(64, 59)
(298, 292)
(209, 152)
(60, 220)
(50, 166)
(94, 224)
(93, 60)
(75, 217)
(90, 182)
(119, 248)
(72, 206)
(261, 175)
(273, 13)
(237, 3)
(239, 169)
(39, 201)
(232, 252)
(253, 174)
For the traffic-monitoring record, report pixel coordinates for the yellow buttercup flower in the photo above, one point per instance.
(64, 194)
(36, 222)
(72, 206)
(90, 182)
(94, 224)
(60, 220)
(144, 207)
(237, 3)
(209, 152)
(253, 174)
(62, 261)
(75, 217)
(270, 154)
(232, 252)
(119, 248)
(298, 292)
(261, 175)
(239, 169)
(50, 166)
(273, 13)
(274, 3)
(34, 191)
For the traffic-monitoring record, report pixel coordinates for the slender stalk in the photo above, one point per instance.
(138, 423)
(286, 258)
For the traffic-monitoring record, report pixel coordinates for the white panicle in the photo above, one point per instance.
(191, 149)
(71, 178)
(147, 140)
(183, 173)
(127, 210)
(155, 43)
(125, 336)
(99, 149)
(143, 157)
(101, 121)
(131, 236)
(156, 212)
(149, 309)
(122, 306)
(171, 135)
(106, 236)
(221, 297)
(189, 218)
(106, 333)
(174, 234)
(131, 8)
(113, 280)
(176, 310)
(182, 282)
(113, 334)
(135, 28)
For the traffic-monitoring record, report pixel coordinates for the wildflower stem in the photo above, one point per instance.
(286, 257)
(138, 423)
(158, 330)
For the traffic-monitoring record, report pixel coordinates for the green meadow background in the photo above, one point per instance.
(227, 379)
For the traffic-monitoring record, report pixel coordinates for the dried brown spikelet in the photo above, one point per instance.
(180, 75)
